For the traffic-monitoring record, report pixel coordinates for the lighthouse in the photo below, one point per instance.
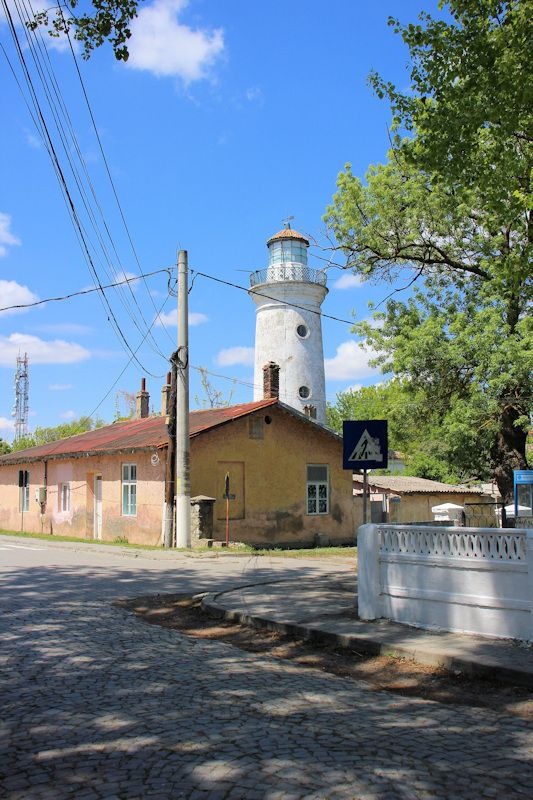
(288, 332)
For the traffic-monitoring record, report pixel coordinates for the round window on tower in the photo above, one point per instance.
(304, 392)
(302, 331)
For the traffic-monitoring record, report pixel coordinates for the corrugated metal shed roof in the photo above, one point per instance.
(135, 434)
(405, 484)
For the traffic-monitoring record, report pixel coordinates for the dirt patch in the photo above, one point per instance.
(405, 677)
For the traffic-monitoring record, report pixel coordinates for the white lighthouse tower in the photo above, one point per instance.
(288, 295)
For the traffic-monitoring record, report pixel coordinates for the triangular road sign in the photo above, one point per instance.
(367, 449)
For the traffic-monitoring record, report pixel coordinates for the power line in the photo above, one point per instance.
(86, 291)
(276, 299)
(51, 88)
(123, 370)
(111, 181)
(64, 186)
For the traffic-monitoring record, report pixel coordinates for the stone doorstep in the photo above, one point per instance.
(494, 668)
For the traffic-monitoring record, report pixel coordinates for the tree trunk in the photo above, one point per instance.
(508, 452)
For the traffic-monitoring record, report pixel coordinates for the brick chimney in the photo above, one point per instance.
(142, 404)
(270, 381)
(165, 397)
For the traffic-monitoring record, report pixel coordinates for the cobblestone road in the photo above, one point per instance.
(97, 704)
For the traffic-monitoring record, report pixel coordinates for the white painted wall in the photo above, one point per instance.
(468, 580)
(301, 361)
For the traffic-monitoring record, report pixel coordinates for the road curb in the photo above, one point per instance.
(369, 646)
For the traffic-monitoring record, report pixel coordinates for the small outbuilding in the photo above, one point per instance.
(404, 499)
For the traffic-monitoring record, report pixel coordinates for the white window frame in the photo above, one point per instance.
(128, 490)
(316, 486)
(24, 493)
(64, 497)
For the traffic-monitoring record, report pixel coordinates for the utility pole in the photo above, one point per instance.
(170, 470)
(183, 479)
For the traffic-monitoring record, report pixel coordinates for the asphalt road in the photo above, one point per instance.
(97, 704)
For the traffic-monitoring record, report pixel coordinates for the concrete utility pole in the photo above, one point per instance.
(169, 409)
(183, 479)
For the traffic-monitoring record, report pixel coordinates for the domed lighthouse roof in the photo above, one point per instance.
(288, 233)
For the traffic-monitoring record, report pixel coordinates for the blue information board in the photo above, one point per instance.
(365, 444)
(523, 492)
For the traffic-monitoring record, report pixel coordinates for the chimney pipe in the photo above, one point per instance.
(165, 397)
(142, 402)
(270, 381)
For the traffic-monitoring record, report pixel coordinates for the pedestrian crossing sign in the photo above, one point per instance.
(365, 444)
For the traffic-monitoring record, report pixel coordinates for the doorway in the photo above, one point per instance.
(97, 532)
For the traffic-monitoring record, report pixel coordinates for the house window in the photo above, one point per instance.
(255, 429)
(24, 490)
(64, 497)
(129, 490)
(317, 489)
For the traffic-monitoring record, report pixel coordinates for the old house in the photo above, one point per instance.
(401, 498)
(285, 471)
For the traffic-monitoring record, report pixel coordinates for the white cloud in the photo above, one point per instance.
(64, 328)
(32, 140)
(60, 387)
(40, 351)
(347, 281)
(7, 239)
(122, 275)
(67, 415)
(235, 355)
(349, 363)
(6, 424)
(162, 45)
(354, 387)
(253, 93)
(12, 294)
(195, 318)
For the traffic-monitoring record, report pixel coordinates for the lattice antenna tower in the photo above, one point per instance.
(22, 388)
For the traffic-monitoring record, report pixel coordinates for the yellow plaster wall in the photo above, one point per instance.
(417, 507)
(144, 528)
(274, 502)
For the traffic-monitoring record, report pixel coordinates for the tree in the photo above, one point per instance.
(44, 435)
(214, 398)
(103, 20)
(5, 447)
(413, 429)
(125, 405)
(451, 207)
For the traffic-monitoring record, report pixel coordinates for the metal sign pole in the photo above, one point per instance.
(365, 492)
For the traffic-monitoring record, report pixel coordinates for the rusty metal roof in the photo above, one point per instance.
(135, 434)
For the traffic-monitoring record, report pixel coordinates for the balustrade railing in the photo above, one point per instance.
(279, 273)
(459, 543)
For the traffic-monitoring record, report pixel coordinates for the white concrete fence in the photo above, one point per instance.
(469, 580)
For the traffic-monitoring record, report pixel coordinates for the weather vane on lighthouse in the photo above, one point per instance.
(287, 222)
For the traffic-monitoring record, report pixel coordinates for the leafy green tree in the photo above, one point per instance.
(44, 435)
(451, 209)
(5, 447)
(414, 430)
(98, 21)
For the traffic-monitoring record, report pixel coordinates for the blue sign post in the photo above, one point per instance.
(365, 446)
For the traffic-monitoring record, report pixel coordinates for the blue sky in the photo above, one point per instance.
(227, 118)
